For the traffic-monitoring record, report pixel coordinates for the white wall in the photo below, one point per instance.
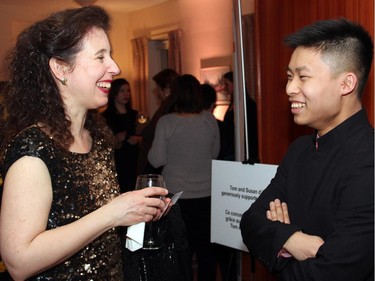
(14, 18)
(207, 27)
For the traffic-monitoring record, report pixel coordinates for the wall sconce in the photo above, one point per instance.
(85, 2)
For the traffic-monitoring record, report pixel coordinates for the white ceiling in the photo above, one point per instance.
(116, 5)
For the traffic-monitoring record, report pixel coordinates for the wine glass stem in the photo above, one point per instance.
(150, 239)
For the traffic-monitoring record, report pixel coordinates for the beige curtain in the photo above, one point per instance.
(141, 71)
(140, 62)
(249, 53)
(175, 50)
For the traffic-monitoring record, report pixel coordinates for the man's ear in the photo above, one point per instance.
(59, 69)
(349, 83)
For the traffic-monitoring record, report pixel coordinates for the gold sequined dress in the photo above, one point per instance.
(81, 183)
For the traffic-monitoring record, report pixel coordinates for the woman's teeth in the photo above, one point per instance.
(105, 85)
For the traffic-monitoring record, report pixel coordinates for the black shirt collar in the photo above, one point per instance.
(342, 131)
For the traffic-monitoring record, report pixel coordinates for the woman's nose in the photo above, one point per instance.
(113, 68)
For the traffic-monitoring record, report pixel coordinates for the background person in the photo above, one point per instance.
(315, 220)
(60, 200)
(122, 119)
(163, 81)
(227, 151)
(185, 143)
(225, 255)
(208, 97)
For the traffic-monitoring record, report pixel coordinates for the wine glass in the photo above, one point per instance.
(152, 238)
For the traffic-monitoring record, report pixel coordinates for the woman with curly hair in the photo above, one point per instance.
(61, 206)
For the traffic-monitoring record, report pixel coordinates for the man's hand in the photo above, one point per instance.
(303, 246)
(278, 212)
(300, 245)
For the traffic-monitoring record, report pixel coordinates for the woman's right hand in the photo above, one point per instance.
(133, 140)
(137, 206)
(119, 138)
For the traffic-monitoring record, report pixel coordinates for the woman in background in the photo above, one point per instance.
(122, 120)
(172, 261)
(163, 81)
(185, 143)
(60, 199)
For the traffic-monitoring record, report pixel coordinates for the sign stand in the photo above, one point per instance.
(235, 186)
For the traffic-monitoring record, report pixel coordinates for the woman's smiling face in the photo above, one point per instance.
(89, 81)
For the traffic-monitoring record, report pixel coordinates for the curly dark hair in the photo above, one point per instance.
(32, 97)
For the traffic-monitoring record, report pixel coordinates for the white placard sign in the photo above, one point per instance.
(235, 186)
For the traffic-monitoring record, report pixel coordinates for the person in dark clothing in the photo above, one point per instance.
(226, 258)
(208, 97)
(122, 119)
(315, 220)
(227, 151)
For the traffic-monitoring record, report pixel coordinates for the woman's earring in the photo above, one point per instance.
(167, 92)
(63, 81)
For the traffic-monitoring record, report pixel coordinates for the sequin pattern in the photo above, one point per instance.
(81, 183)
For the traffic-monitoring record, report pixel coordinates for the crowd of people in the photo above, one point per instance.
(69, 170)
